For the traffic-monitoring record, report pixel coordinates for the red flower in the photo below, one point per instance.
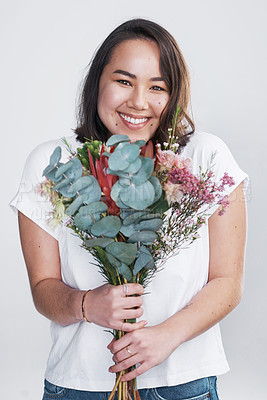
(105, 180)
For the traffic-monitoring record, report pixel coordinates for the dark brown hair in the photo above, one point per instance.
(172, 67)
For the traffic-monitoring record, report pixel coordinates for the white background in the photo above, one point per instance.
(45, 47)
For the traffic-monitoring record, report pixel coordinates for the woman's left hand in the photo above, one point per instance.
(147, 346)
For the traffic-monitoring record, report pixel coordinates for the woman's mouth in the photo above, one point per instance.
(133, 121)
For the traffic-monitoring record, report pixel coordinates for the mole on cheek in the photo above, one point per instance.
(151, 125)
(159, 102)
(116, 124)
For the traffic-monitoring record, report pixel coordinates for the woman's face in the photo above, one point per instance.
(132, 92)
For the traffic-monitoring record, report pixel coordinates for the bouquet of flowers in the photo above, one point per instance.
(131, 210)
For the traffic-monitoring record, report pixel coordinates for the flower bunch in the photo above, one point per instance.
(131, 210)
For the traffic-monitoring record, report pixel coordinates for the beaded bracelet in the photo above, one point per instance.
(83, 312)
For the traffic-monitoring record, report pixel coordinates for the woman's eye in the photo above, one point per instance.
(123, 82)
(158, 88)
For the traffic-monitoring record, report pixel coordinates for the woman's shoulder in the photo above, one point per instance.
(204, 141)
(203, 147)
(40, 154)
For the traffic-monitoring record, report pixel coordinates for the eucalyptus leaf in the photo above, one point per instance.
(125, 271)
(128, 230)
(133, 217)
(144, 172)
(144, 236)
(55, 156)
(141, 261)
(50, 172)
(148, 216)
(108, 226)
(89, 214)
(72, 170)
(157, 187)
(140, 143)
(116, 162)
(125, 252)
(149, 225)
(115, 139)
(160, 206)
(74, 206)
(101, 242)
(63, 187)
(91, 193)
(130, 152)
(138, 197)
(150, 265)
(113, 260)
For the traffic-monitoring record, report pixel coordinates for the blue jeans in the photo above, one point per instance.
(201, 389)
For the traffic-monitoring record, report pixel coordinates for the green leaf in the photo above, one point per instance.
(50, 172)
(141, 261)
(133, 217)
(125, 252)
(74, 206)
(101, 242)
(140, 143)
(130, 152)
(138, 197)
(128, 230)
(157, 187)
(116, 162)
(56, 156)
(125, 271)
(72, 170)
(144, 236)
(115, 139)
(113, 260)
(144, 172)
(88, 187)
(149, 225)
(88, 215)
(160, 206)
(108, 226)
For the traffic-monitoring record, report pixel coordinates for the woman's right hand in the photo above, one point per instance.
(109, 306)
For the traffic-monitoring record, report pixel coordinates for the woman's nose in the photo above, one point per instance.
(138, 99)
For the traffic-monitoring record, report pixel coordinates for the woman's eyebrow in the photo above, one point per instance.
(126, 73)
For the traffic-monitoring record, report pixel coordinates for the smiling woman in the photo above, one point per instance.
(132, 93)
(135, 83)
(144, 60)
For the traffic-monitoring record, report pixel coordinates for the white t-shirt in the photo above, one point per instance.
(79, 358)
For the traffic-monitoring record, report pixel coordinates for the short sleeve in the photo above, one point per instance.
(27, 200)
(210, 152)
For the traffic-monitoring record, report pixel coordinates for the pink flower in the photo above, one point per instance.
(173, 192)
(167, 159)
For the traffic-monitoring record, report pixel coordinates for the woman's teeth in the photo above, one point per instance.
(134, 121)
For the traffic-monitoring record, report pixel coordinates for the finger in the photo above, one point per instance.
(123, 354)
(119, 344)
(131, 313)
(132, 301)
(129, 289)
(135, 372)
(127, 327)
(123, 365)
(110, 344)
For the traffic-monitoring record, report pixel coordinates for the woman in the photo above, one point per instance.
(134, 84)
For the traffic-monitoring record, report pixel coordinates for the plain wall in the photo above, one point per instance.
(45, 47)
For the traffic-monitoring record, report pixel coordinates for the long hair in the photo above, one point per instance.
(172, 67)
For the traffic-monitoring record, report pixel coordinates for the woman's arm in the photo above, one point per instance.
(152, 345)
(106, 305)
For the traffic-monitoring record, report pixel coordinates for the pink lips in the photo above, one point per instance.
(133, 122)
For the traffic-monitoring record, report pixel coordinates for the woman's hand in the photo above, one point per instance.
(110, 305)
(148, 347)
